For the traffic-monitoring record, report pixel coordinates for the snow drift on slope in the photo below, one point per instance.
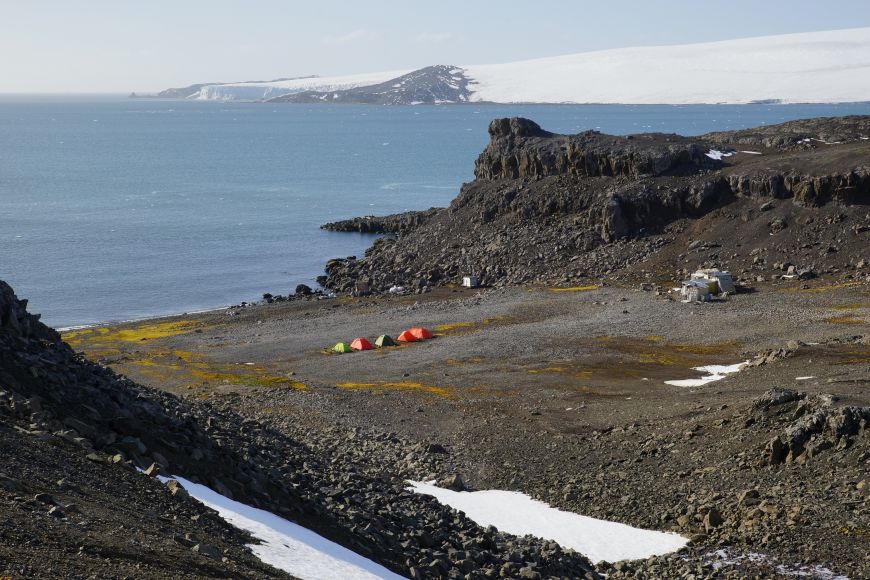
(288, 546)
(518, 514)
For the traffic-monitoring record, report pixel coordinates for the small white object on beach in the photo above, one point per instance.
(714, 373)
(519, 514)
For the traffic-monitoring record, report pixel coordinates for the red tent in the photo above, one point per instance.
(421, 333)
(361, 344)
(406, 336)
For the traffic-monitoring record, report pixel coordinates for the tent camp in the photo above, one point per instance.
(407, 336)
(421, 333)
(341, 347)
(361, 344)
(384, 340)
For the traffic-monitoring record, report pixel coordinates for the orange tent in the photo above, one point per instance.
(406, 336)
(361, 344)
(421, 333)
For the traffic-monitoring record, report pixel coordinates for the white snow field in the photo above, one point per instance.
(519, 514)
(288, 546)
(262, 91)
(714, 373)
(814, 67)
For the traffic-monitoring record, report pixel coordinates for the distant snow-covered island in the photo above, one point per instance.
(815, 67)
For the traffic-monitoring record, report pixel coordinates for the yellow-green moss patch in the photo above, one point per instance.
(586, 288)
(137, 333)
(845, 320)
(441, 391)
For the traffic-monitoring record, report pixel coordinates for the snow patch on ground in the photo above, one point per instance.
(804, 378)
(718, 155)
(714, 373)
(288, 546)
(724, 558)
(519, 514)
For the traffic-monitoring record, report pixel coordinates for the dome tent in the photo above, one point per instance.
(342, 347)
(421, 333)
(407, 336)
(361, 344)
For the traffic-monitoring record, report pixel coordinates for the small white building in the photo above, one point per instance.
(470, 281)
(720, 282)
(695, 291)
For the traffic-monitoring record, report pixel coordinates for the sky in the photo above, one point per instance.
(91, 46)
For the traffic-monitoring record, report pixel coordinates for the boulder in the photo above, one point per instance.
(303, 290)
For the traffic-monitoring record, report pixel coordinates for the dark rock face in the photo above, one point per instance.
(427, 86)
(808, 190)
(520, 148)
(814, 425)
(543, 205)
(18, 324)
(48, 391)
(798, 134)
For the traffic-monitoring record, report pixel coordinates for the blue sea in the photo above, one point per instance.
(115, 209)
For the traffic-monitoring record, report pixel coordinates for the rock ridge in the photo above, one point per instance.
(545, 206)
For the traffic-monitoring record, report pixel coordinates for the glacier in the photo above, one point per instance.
(814, 67)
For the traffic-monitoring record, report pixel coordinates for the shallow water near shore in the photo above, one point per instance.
(116, 209)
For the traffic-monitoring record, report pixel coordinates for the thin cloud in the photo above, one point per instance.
(433, 37)
(353, 37)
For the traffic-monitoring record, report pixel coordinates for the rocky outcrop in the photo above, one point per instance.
(519, 148)
(807, 190)
(547, 207)
(798, 135)
(16, 324)
(51, 393)
(816, 425)
(399, 223)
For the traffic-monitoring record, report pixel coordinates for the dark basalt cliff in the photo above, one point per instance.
(549, 208)
(520, 148)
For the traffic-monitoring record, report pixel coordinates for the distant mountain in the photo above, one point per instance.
(816, 67)
(431, 85)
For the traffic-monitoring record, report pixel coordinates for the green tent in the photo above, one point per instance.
(384, 340)
(342, 347)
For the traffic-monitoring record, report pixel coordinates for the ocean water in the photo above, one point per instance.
(113, 209)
